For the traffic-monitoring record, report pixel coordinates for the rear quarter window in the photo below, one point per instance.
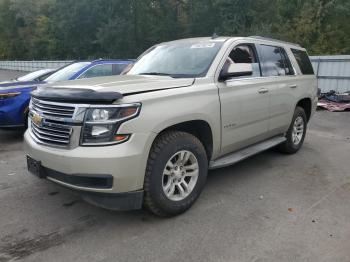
(303, 61)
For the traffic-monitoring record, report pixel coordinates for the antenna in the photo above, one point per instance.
(215, 35)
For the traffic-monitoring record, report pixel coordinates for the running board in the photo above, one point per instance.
(244, 153)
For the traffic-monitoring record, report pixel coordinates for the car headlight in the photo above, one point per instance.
(102, 122)
(9, 95)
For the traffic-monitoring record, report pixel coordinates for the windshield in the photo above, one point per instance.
(66, 72)
(177, 59)
(33, 75)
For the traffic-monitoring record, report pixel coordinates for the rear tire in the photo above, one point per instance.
(296, 133)
(176, 173)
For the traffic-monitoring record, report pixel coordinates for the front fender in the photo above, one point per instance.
(163, 109)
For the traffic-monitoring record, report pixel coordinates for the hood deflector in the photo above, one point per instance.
(75, 95)
(90, 96)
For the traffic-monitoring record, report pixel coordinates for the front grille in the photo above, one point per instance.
(55, 127)
(52, 135)
(52, 109)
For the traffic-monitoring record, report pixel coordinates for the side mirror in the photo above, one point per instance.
(235, 70)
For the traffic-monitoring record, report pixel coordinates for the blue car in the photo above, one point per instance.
(15, 95)
(28, 79)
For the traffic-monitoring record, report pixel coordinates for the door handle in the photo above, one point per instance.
(293, 86)
(263, 90)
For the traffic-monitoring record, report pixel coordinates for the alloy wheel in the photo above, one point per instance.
(180, 175)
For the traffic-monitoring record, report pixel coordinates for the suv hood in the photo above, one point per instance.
(126, 84)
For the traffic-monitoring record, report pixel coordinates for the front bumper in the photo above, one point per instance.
(125, 163)
(113, 201)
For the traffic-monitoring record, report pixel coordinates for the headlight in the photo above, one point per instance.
(111, 114)
(101, 124)
(9, 95)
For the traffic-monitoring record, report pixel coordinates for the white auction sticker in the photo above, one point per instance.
(210, 45)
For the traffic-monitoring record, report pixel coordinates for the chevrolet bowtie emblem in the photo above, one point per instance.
(37, 119)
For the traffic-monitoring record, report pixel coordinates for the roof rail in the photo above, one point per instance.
(109, 59)
(272, 39)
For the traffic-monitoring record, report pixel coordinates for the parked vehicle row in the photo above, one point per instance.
(15, 94)
(148, 138)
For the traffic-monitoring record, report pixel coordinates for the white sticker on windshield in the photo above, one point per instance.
(203, 45)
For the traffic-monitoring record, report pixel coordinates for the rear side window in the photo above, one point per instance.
(274, 61)
(303, 62)
(98, 70)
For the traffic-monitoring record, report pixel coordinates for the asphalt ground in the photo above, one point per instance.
(270, 207)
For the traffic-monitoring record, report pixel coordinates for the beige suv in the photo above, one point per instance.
(149, 137)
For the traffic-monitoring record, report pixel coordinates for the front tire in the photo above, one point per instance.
(296, 133)
(176, 173)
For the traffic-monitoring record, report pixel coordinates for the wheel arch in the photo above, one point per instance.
(199, 128)
(306, 104)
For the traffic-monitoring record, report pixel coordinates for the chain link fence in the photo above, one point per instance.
(30, 66)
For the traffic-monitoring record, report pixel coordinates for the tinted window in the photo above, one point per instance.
(303, 62)
(272, 62)
(244, 54)
(98, 70)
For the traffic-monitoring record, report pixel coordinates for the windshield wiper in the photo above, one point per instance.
(156, 74)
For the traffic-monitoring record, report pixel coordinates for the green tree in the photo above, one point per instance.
(70, 29)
